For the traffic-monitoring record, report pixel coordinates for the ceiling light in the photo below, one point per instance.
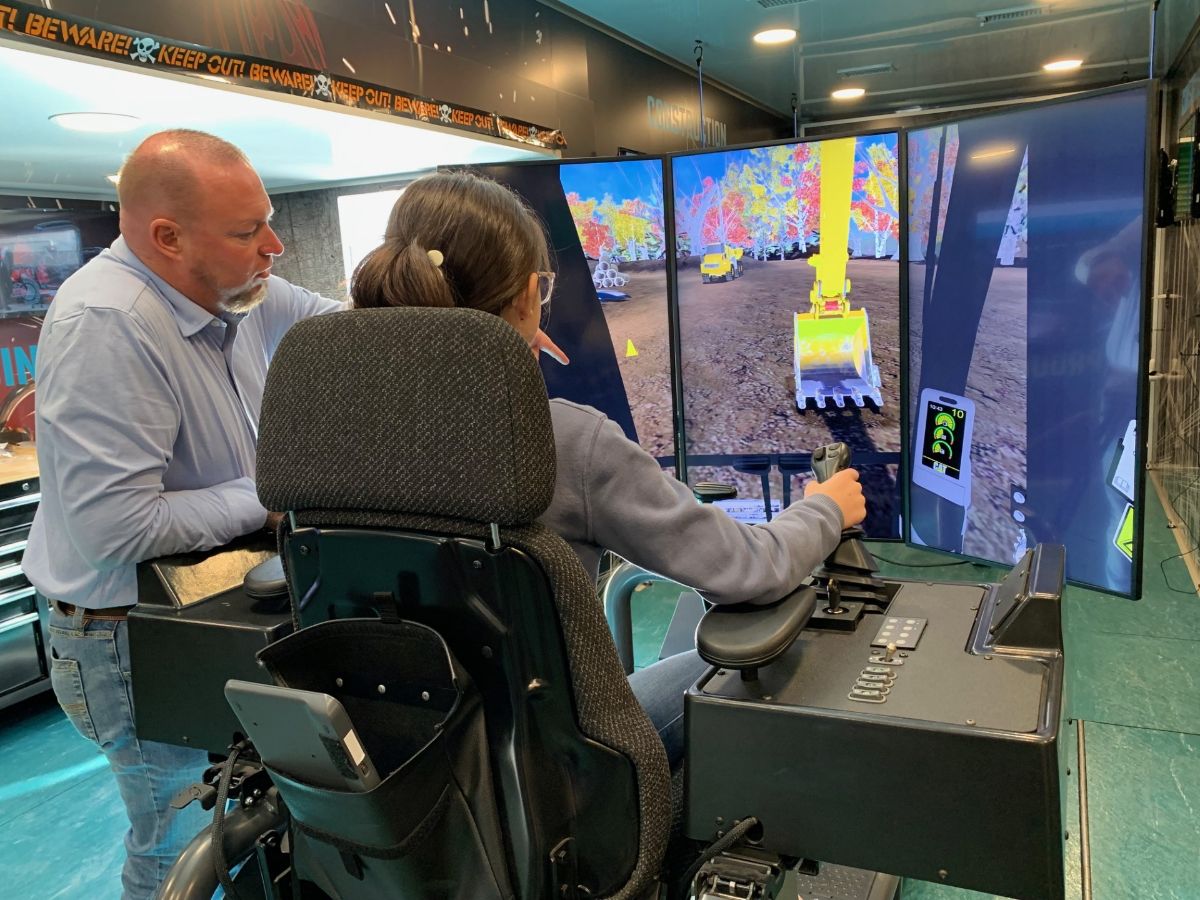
(775, 36)
(107, 123)
(1008, 14)
(1063, 65)
(848, 93)
(909, 109)
(875, 69)
(113, 178)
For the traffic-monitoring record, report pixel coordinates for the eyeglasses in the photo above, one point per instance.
(545, 286)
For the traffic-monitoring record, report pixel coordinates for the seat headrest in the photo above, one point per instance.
(407, 410)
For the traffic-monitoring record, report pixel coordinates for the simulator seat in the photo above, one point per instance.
(412, 451)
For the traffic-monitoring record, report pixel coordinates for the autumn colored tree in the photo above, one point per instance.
(596, 238)
(630, 227)
(922, 175)
(765, 195)
(1015, 239)
(806, 216)
(949, 164)
(691, 212)
(875, 199)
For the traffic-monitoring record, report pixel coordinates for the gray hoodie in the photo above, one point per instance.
(610, 494)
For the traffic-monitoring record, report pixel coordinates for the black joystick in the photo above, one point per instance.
(827, 461)
(847, 578)
(833, 592)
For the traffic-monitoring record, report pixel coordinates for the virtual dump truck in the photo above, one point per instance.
(720, 263)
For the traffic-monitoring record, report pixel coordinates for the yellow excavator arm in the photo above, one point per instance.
(832, 355)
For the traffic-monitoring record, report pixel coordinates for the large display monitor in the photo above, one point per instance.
(1027, 262)
(609, 311)
(789, 316)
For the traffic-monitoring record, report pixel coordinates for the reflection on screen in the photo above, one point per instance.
(609, 311)
(39, 250)
(789, 288)
(1025, 298)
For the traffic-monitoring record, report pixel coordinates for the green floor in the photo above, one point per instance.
(1133, 680)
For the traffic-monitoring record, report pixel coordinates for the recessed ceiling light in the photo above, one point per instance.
(96, 121)
(1063, 65)
(873, 69)
(775, 36)
(848, 93)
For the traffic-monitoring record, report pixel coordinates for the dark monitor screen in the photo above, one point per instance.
(789, 317)
(1026, 273)
(609, 309)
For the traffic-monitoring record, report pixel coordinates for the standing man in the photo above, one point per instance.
(150, 376)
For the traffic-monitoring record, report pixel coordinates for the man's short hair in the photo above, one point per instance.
(162, 169)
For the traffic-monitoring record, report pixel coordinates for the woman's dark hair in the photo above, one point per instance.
(489, 240)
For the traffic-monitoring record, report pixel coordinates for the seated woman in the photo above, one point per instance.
(457, 240)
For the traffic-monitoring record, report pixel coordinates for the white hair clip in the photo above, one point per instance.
(435, 257)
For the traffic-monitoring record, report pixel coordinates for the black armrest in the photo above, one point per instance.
(747, 636)
(267, 584)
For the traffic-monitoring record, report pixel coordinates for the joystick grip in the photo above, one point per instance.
(827, 461)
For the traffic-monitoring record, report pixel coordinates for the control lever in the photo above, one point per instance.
(205, 793)
(827, 461)
(833, 605)
(248, 776)
(848, 576)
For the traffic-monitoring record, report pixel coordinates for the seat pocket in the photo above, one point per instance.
(431, 830)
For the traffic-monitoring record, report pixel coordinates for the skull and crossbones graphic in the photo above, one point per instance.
(444, 113)
(324, 87)
(144, 50)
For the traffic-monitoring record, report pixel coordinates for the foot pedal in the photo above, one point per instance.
(740, 875)
(831, 882)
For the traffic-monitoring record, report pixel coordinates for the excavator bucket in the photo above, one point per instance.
(833, 361)
(832, 342)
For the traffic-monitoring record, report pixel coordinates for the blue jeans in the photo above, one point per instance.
(659, 689)
(89, 670)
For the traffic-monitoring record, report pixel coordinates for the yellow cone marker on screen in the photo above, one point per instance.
(630, 350)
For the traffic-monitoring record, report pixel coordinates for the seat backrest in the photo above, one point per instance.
(413, 450)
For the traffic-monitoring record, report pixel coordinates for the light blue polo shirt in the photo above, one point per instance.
(147, 417)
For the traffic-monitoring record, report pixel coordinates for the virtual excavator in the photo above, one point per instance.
(832, 342)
